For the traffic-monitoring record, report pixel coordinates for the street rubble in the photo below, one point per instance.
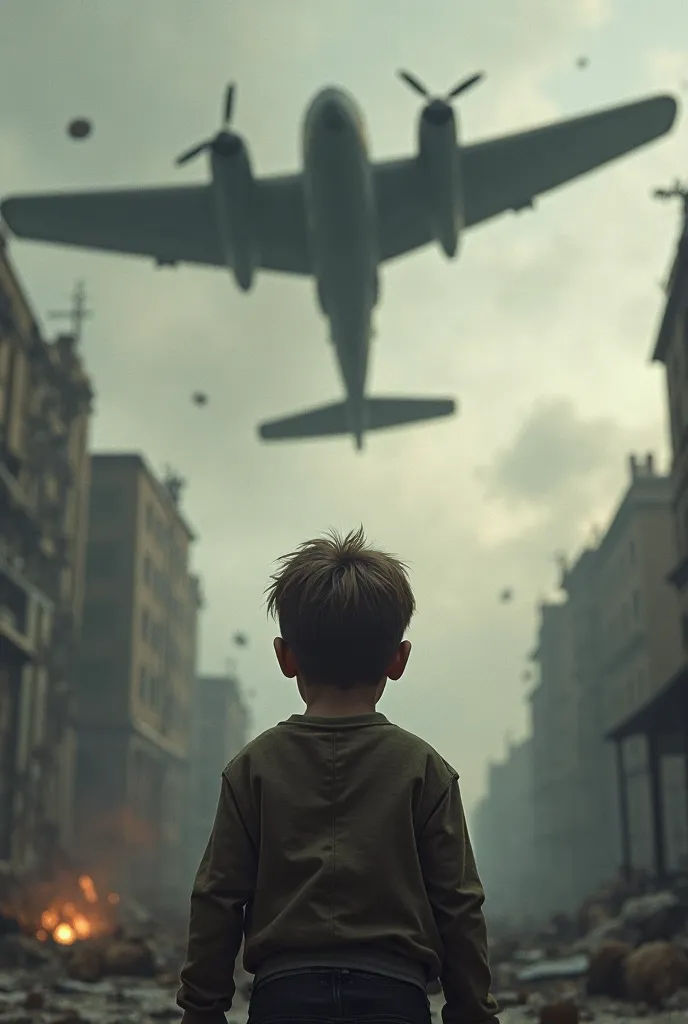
(623, 956)
(88, 958)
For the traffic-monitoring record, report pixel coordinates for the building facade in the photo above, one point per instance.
(503, 836)
(136, 675)
(220, 729)
(45, 403)
(658, 729)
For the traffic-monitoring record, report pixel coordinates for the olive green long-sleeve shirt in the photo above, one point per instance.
(333, 833)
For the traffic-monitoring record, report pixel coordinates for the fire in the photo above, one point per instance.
(82, 917)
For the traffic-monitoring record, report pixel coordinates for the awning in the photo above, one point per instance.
(663, 709)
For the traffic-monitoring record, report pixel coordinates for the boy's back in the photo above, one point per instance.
(340, 851)
(356, 848)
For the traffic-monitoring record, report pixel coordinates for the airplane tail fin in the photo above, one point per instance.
(379, 413)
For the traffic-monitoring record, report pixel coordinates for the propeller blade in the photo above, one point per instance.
(191, 153)
(467, 83)
(229, 103)
(415, 83)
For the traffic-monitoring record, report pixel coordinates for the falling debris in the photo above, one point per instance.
(79, 128)
(506, 595)
(199, 398)
(582, 62)
(240, 639)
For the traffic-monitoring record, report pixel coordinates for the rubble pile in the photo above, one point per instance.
(69, 957)
(625, 953)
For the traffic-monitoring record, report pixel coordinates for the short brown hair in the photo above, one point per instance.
(342, 607)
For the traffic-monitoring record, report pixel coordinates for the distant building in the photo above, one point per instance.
(137, 670)
(658, 726)
(558, 797)
(220, 730)
(641, 649)
(45, 402)
(503, 836)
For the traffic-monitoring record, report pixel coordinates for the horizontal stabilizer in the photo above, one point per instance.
(325, 421)
(392, 412)
(331, 420)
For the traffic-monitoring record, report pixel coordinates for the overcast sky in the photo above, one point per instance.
(542, 328)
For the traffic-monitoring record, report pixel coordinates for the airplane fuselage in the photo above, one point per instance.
(342, 228)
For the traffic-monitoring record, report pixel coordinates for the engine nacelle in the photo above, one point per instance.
(234, 188)
(438, 159)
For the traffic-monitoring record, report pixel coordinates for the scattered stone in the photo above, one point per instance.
(654, 916)
(654, 972)
(86, 963)
(131, 958)
(34, 1000)
(559, 1013)
(606, 975)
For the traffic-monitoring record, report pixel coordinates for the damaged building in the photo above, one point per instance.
(45, 403)
(135, 681)
(603, 653)
(220, 723)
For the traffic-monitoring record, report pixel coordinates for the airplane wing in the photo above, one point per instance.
(508, 173)
(170, 225)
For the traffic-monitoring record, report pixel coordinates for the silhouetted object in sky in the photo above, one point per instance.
(79, 128)
(582, 62)
(342, 218)
(240, 639)
(199, 398)
(506, 595)
(78, 313)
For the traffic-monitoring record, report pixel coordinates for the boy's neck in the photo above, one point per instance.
(328, 702)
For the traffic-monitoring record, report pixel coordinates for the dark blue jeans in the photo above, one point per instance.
(325, 995)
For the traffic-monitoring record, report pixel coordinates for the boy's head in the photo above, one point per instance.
(343, 609)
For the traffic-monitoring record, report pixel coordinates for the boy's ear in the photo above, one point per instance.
(285, 657)
(397, 665)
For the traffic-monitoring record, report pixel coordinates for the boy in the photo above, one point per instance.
(340, 848)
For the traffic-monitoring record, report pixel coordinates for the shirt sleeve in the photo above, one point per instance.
(456, 896)
(224, 884)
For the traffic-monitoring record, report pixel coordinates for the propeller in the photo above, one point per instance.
(419, 87)
(224, 141)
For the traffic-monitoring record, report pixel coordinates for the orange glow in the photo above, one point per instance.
(88, 889)
(64, 934)
(49, 920)
(77, 914)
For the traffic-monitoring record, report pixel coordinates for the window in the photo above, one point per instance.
(149, 516)
(147, 570)
(145, 624)
(103, 560)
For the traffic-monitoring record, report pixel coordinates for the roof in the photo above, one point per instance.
(663, 709)
(138, 462)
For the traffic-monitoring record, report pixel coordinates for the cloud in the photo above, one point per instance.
(555, 454)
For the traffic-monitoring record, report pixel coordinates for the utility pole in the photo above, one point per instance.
(78, 313)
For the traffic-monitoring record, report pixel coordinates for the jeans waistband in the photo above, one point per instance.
(389, 965)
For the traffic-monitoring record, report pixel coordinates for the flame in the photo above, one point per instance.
(81, 917)
(64, 934)
(88, 889)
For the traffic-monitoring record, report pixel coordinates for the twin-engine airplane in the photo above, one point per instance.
(341, 218)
